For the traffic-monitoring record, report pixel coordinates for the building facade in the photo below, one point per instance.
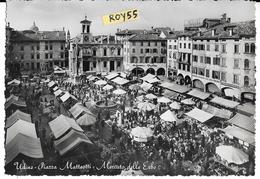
(36, 51)
(172, 54)
(90, 54)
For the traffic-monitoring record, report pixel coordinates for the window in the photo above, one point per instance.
(104, 52)
(105, 64)
(38, 47)
(223, 62)
(201, 47)
(141, 50)
(195, 58)
(208, 47)
(246, 48)
(170, 54)
(236, 49)
(22, 48)
(32, 47)
(201, 71)
(175, 47)
(155, 43)
(61, 55)
(46, 55)
(195, 47)
(155, 50)
(180, 45)
(118, 63)
(118, 51)
(32, 56)
(133, 50)
(94, 64)
(216, 61)
(246, 81)
(51, 47)
(223, 49)
(246, 64)
(194, 70)
(253, 48)
(38, 56)
(236, 63)
(133, 43)
(148, 44)
(201, 59)
(147, 50)
(189, 45)
(142, 44)
(94, 52)
(163, 44)
(223, 76)
(51, 55)
(216, 48)
(235, 79)
(147, 59)
(207, 73)
(22, 57)
(207, 60)
(141, 59)
(215, 74)
(46, 47)
(184, 45)
(170, 46)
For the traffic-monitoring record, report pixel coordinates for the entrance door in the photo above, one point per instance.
(86, 66)
(112, 65)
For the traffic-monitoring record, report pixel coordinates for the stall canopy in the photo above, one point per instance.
(123, 74)
(58, 92)
(22, 144)
(198, 94)
(14, 82)
(163, 100)
(146, 106)
(47, 80)
(92, 78)
(199, 115)
(77, 109)
(146, 86)
(147, 77)
(87, 119)
(119, 91)
(175, 87)
(66, 96)
(188, 101)
(168, 116)
(141, 134)
(240, 133)
(224, 102)
(246, 109)
(21, 127)
(218, 112)
(120, 81)
(242, 121)
(70, 141)
(175, 105)
(17, 115)
(232, 154)
(170, 94)
(108, 87)
(112, 76)
(62, 124)
(153, 80)
(15, 102)
(150, 96)
(100, 82)
(55, 88)
(51, 84)
(12, 97)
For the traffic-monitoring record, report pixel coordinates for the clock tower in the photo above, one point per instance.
(85, 33)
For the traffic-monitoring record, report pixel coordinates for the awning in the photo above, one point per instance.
(199, 115)
(146, 86)
(92, 78)
(55, 88)
(62, 124)
(141, 134)
(20, 127)
(222, 113)
(240, 133)
(224, 102)
(14, 81)
(120, 81)
(15, 102)
(17, 115)
(246, 109)
(198, 94)
(12, 97)
(58, 92)
(51, 83)
(243, 122)
(170, 94)
(70, 141)
(168, 116)
(175, 87)
(22, 144)
(112, 76)
(119, 92)
(65, 97)
(100, 82)
(163, 100)
(86, 119)
(153, 80)
(77, 109)
(147, 77)
(123, 75)
(108, 87)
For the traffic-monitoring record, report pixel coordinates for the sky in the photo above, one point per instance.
(55, 14)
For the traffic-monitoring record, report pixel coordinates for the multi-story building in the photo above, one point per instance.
(36, 51)
(94, 54)
(224, 60)
(145, 51)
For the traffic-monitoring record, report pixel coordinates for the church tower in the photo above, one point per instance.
(85, 33)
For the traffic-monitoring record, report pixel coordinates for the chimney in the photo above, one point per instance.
(108, 36)
(213, 32)
(8, 24)
(230, 32)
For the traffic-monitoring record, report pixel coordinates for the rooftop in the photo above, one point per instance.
(145, 37)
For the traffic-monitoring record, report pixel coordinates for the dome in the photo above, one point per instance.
(34, 27)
